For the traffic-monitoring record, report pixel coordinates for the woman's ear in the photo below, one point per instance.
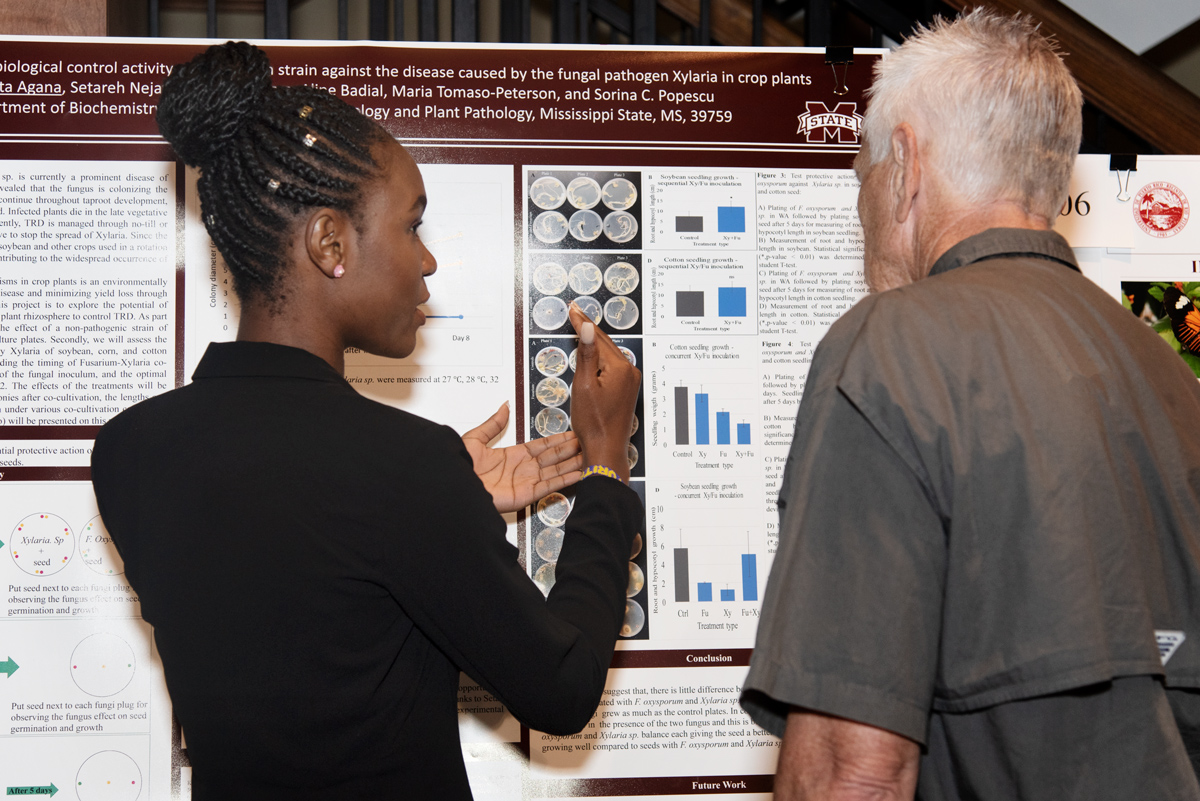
(327, 235)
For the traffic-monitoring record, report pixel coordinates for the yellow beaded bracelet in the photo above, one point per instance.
(600, 470)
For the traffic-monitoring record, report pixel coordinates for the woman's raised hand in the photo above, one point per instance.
(521, 474)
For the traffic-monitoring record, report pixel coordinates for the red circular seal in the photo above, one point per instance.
(1161, 209)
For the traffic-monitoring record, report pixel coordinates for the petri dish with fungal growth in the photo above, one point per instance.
(619, 194)
(550, 314)
(551, 421)
(550, 278)
(635, 619)
(548, 543)
(591, 307)
(552, 392)
(585, 278)
(554, 509)
(550, 227)
(621, 313)
(620, 226)
(583, 192)
(586, 225)
(547, 192)
(621, 278)
(551, 361)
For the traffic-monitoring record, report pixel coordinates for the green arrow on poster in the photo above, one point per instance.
(8, 667)
(49, 790)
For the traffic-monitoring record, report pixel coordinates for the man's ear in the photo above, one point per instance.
(906, 171)
(326, 241)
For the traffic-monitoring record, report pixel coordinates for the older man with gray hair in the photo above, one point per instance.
(988, 577)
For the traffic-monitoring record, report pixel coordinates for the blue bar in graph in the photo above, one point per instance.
(702, 419)
(749, 577)
(743, 431)
(726, 595)
(723, 428)
(704, 591)
(731, 219)
(731, 301)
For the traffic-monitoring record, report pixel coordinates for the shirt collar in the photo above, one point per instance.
(1007, 242)
(263, 359)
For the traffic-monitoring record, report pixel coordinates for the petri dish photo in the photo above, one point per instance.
(583, 192)
(619, 194)
(552, 392)
(547, 192)
(637, 580)
(637, 545)
(590, 306)
(635, 619)
(553, 509)
(544, 578)
(633, 427)
(550, 314)
(630, 356)
(571, 360)
(550, 278)
(585, 278)
(548, 543)
(620, 278)
(550, 227)
(621, 313)
(620, 226)
(586, 225)
(551, 361)
(551, 421)
(632, 453)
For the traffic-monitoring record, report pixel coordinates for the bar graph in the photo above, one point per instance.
(731, 301)
(689, 224)
(704, 589)
(689, 303)
(731, 219)
(696, 417)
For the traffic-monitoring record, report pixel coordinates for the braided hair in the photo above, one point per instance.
(265, 154)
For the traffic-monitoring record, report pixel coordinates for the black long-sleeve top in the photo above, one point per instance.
(318, 567)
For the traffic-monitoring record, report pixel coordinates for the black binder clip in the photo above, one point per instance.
(1123, 163)
(842, 56)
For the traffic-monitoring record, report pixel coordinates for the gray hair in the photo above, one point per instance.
(999, 111)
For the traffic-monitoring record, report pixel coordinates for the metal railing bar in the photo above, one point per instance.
(585, 20)
(818, 23)
(398, 20)
(343, 12)
(427, 20)
(210, 19)
(377, 19)
(756, 35)
(564, 21)
(643, 16)
(514, 20)
(154, 21)
(275, 19)
(464, 21)
(704, 31)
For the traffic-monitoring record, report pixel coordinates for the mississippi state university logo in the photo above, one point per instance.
(1161, 209)
(822, 124)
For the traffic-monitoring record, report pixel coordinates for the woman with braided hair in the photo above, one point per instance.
(318, 567)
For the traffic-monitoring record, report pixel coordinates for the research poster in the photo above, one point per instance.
(698, 204)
